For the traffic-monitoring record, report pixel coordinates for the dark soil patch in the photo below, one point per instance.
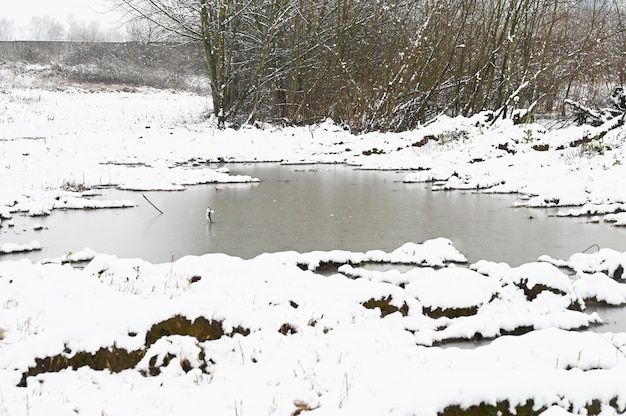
(386, 308)
(118, 359)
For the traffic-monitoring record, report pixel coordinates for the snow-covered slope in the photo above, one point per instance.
(292, 333)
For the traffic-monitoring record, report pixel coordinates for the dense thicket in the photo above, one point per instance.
(392, 64)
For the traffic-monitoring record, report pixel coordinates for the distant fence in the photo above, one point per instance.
(166, 56)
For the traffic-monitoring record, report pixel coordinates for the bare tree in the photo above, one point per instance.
(7, 30)
(145, 31)
(46, 28)
(81, 31)
(389, 64)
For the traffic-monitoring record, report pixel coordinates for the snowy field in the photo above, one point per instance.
(290, 333)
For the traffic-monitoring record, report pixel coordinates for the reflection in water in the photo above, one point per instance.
(328, 207)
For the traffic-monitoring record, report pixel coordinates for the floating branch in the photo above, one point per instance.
(146, 198)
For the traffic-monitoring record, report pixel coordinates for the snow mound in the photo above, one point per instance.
(434, 253)
(453, 288)
(7, 248)
(267, 333)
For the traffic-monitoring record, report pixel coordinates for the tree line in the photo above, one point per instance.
(47, 28)
(391, 65)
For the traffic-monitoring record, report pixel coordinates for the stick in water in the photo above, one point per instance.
(146, 198)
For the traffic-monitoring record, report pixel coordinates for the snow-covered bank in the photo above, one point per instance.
(293, 333)
(271, 336)
(58, 143)
(76, 138)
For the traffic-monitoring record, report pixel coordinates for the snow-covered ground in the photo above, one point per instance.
(290, 333)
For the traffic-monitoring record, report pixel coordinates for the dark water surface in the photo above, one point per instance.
(306, 208)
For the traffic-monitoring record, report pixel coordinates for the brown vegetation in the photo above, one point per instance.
(118, 359)
(392, 64)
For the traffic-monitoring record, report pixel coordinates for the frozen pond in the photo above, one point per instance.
(307, 208)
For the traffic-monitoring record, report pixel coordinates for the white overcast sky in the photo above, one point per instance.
(21, 11)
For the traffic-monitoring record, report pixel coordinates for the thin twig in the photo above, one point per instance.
(590, 247)
(146, 198)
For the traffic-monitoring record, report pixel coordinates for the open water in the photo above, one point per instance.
(305, 208)
(321, 207)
